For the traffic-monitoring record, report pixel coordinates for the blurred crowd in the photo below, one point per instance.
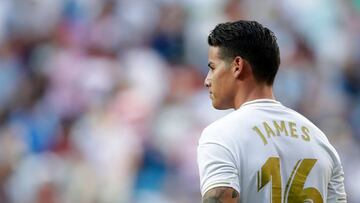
(102, 101)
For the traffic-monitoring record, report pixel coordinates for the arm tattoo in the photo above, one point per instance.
(234, 194)
(221, 195)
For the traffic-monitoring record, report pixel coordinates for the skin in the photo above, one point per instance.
(231, 83)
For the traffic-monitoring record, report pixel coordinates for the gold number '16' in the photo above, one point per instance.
(294, 191)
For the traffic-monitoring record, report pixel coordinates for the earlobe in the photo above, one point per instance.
(237, 72)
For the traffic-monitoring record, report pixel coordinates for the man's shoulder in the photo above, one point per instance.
(228, 120)
(304, 119)
(227, 125)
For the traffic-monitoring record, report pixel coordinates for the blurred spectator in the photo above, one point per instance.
(168, 39)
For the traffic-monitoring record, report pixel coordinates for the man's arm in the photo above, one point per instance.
(221, 195)
(336, 188)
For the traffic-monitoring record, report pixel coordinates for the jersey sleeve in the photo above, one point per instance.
(216, 164)
(336, 188)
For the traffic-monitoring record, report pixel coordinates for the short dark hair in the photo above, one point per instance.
(253, 42)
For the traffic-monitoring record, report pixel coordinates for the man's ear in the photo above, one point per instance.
(238, 67)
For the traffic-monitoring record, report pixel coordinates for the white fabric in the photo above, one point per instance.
(231, 152)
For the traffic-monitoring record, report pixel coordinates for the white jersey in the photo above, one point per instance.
(270, 153)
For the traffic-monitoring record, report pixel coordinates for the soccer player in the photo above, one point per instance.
(263, 152)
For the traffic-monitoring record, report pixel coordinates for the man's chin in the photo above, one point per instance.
(220, 107)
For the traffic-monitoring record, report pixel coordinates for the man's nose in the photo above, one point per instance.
(207, 82)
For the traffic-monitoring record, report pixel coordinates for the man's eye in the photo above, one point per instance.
(210, 67)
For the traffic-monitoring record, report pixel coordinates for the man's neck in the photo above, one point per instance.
(258, 92)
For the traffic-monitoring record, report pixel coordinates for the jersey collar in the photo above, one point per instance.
(260, 101)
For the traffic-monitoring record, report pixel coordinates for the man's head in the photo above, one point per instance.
(241, 53)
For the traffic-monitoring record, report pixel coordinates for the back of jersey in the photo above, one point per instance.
(278, 155)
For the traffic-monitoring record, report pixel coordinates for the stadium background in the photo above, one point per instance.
(102, 101)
